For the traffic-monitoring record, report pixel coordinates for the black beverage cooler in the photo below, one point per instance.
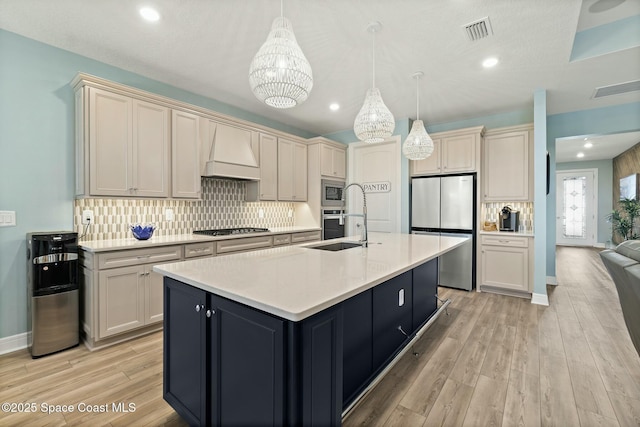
(52, 291)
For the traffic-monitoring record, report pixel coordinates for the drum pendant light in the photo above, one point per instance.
(374, 122)
(280, 75)
(418, 145)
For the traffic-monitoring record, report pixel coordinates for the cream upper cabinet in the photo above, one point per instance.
(292, 170)
(185, 155)
(430, 165)
(332, 161)
(267, 187)
(126, 141)
(453, 152)
(507, 164)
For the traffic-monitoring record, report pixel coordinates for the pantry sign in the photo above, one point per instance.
(377, 187)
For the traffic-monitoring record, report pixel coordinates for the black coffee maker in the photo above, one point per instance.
(509, 219)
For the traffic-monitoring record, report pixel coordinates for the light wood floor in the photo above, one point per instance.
(495, 360)
(502, 361)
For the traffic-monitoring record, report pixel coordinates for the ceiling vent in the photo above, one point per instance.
(617, 89)
(479, 29)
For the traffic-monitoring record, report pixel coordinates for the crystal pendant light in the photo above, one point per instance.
(418, 145)
(374, 122)
(280, 75)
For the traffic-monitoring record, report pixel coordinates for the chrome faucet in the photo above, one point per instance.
(364, 239)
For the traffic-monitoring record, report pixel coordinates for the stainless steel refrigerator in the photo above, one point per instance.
(446, 205)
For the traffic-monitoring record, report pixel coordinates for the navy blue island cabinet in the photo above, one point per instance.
(228, 364)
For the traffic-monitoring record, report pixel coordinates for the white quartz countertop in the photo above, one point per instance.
(295, 282)
(132, 243)
(509, 233)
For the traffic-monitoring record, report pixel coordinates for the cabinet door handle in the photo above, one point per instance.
(209, 313)
(402, 331)
(199, 307)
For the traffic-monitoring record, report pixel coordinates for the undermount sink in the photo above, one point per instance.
(338, 246)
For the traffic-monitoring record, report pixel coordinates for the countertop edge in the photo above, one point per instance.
(181, 239)
(301, 315)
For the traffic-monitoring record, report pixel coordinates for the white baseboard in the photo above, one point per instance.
(600, 245)
(551, 280)
(14, 343)
(539, 299)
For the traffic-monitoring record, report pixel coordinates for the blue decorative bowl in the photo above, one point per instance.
(142, 232)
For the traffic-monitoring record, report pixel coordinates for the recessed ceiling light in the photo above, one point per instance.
(149, 14)
(580, 155)
(334, 107)
(490, 62)
(588, 145)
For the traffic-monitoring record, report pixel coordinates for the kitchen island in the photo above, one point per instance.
(292, 335)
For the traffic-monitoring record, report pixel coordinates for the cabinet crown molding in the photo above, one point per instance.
(517, 128)
(327, 141)
(84, 79)
(464, 131)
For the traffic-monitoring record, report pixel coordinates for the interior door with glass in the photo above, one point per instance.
(576, 208)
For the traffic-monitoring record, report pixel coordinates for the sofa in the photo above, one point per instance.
(623, 264)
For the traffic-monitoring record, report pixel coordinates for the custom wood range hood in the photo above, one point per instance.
(229, 151)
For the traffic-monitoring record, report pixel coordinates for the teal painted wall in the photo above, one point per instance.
(605, 192)
(607, 38)
(597, 121)
(37, 146)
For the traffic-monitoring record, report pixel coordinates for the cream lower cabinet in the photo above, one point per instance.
(130, 297)
(121, 293)
(506, 263)
(306, 236)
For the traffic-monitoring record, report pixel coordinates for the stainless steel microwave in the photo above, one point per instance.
(332, 193)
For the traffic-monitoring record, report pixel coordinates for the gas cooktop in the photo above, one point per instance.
(229, 231)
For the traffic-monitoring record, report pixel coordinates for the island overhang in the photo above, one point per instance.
(295, 282)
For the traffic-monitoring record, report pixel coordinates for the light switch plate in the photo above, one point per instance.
(260, 213)
(7, 218)
(168, 214)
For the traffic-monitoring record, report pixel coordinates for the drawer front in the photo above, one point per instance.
(281, 239)
(193, 250)
(516, 242)
(307, 236)
(139, 256)
(248, 244)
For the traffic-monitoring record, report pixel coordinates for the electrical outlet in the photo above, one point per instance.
(260, 213)
(87, 217)
(168, 214)
(290, 213)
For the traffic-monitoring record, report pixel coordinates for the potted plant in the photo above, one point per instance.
(623, 219)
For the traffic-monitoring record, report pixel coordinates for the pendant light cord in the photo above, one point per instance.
(417, 98)
(373, 49)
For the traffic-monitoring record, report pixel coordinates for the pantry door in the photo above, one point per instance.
(377, 167)
(576, 207)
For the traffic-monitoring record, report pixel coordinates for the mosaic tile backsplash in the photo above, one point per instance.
(491, 211)
(222, 206)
